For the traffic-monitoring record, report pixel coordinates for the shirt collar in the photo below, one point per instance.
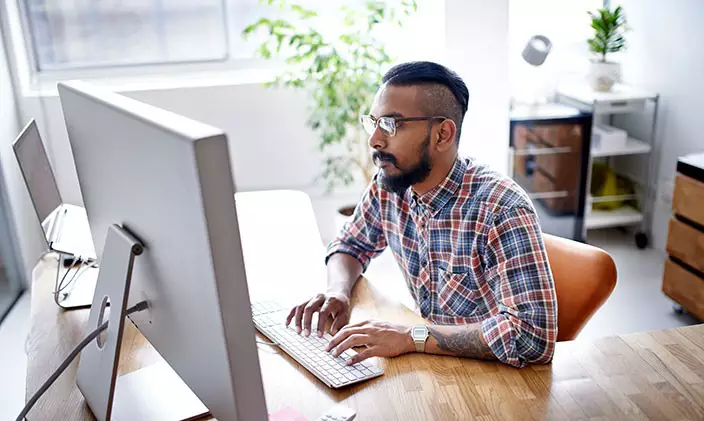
(435, 198)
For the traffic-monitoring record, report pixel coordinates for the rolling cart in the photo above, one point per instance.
(621, 101)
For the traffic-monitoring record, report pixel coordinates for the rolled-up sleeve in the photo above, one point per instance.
(362, 236)
(523, 327)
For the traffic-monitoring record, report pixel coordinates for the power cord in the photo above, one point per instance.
(76, 274)
(141, 306)
(59, 286)
(57, 283)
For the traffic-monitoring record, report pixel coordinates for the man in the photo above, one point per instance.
(467, 239)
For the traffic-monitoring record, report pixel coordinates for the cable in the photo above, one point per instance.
(140, 306)
(77, 274)
(267, 343)
(57, 284)
(80, 270)
(61, 286)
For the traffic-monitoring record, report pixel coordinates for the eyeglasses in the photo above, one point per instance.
(388, 125)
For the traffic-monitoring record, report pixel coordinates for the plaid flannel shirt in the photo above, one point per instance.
(471, 250)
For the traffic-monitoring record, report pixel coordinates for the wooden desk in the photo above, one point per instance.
(656, 375)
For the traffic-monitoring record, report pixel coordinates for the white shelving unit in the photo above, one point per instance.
(620, 100)
(623, 216)
(633, 147)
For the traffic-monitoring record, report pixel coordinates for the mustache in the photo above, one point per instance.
(383, 156)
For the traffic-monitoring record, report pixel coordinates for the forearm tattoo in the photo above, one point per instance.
(465, 343)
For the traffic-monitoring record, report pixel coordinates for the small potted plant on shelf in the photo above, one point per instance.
(609, 27)
(340, 72)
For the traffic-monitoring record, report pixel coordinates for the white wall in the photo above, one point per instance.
(28, 233)
(666, 55)
(476, 36)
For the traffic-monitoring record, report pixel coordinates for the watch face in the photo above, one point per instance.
(419, 332)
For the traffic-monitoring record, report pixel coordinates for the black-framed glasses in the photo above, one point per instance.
(388, 125)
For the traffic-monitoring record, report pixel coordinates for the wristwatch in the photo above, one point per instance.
(419, 333)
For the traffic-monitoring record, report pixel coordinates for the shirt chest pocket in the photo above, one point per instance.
(457, 294)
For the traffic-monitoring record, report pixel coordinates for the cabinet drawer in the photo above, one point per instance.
(688, 198)
(561, 135)
(565, 201)
(616, 107)
(684, 287)
(563, 168)
(686, 243)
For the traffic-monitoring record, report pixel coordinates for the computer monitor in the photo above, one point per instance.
(65, 226)
(168, 181)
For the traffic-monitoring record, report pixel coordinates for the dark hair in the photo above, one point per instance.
(446, 93)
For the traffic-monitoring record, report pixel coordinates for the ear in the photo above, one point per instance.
(445, 136)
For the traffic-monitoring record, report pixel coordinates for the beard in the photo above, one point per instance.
(417, 173)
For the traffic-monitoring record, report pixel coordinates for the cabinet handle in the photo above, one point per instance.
(542, 151)
(549, 194)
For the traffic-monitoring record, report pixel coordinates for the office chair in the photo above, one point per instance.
(584, 278)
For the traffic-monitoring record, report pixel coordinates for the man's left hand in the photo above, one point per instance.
(381, 339)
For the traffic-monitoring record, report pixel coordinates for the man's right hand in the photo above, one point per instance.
(333, 308)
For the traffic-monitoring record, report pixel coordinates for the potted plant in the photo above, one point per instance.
(341, 74)
(609, 27)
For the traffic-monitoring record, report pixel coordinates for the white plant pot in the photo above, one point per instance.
(603, 75)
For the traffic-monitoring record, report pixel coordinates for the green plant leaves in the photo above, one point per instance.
(608, 31)
(341, 74)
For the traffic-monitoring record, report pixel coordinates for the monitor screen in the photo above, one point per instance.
(36, 170)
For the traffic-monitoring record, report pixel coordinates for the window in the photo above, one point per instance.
(100, 33)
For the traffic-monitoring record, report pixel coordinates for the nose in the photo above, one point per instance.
(377, 139)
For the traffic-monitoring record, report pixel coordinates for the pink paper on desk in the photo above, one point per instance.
(287, 414)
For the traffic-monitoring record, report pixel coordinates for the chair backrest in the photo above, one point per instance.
(584, 278)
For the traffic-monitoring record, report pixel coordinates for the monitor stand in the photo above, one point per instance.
(155, 392)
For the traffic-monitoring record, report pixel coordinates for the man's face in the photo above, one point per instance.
(406, 158)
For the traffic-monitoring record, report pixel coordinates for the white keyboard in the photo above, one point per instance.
(269, 318)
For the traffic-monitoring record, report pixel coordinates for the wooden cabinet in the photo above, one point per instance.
(683, 278)
(688, 199)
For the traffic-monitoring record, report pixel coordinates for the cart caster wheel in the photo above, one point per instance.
(641, 240)
(678, 309)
